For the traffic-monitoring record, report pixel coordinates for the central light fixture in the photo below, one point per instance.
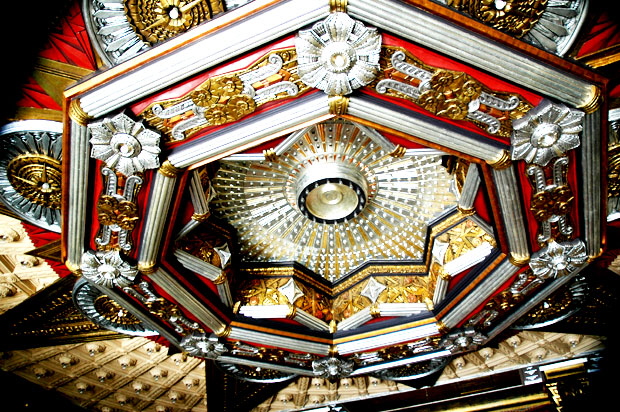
(331, 192)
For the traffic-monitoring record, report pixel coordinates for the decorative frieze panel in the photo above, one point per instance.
(227, 98)
(447, 93)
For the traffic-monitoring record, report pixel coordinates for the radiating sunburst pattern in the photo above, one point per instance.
(401, 195)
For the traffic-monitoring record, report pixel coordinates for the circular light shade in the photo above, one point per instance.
(331, 192)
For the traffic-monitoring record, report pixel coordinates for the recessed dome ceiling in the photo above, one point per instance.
(333, 197)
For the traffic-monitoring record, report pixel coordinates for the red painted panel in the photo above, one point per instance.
(69, 42)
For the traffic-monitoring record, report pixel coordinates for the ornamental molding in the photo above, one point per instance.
(548, 131)
(332, 368)
(107, 269)
(552, 202)
(376, 285)
(227, 98)
(462, 340)
(105, 312)
(447, 93)
(559, 259)
(117, 213)
(203, 346)
(124, 145)
(338, 54)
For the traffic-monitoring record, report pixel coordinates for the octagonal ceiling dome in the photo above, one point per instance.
(267, 224)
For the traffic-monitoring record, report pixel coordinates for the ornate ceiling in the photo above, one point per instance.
(321, 201)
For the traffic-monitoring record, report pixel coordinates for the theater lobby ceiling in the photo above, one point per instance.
(319, 205)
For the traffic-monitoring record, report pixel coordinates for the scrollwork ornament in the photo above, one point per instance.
(124, 145)
(107, 269)
(332, 368)
(548, 131)
(338, 54)
(203, 346)
(558, 259)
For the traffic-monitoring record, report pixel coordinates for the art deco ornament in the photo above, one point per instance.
(291, 291)
(107, 269)
(462, 340)
(558, 259)
(124, 145)
(200, 345)
(330, 368)
(545, 132)
(338, 54)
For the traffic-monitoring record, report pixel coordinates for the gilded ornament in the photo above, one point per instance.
(113, 312)
(146, 269)
(221, 279)
(518, 260)
(31, 171)
(553, 202)
(227, 98)
(399, 151)
(270, 155)
(169, 170)
(77, 114)
(464, 238)
(466, 212)
(613, 171)
(458, 168)
(595, 101)
(516, 17)
(224, 332)
(210, 247)
(447, 93)
(338, 105)
(338, 55)
(548, 131)
(37, 178)
(375, 312)
(73, 267)
(200, 217)
(119, 212)
(157, 20)
(292, 312)
(338, 6)
(503, 162)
